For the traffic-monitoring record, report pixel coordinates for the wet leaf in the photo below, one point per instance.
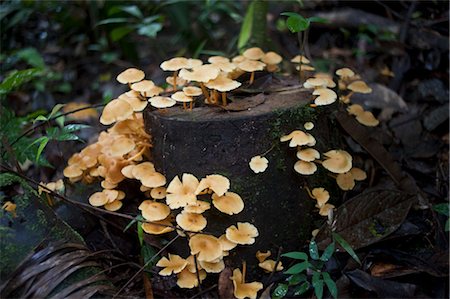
(313, 250)
(317, 284)
(346, 247)
(280, 291)
(296, 279)
(296, 255)
(331, 285)
(225, 285)
(298, 268)
(328, 252)
(302, 289)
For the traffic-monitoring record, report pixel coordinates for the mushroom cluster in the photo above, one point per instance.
(322, 84)
(268, 265)
(303, 142)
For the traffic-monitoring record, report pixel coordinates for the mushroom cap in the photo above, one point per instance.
(244, 290)
(305, 68)
(308, 125)
(359, 86)
(192, 62)
(154, 211)
(227, 245)
(202, 73)
(136, 103)
(180, 81)
(225, 66)
(116, 110)
(251, 65)
(337, 161)
(326, 96)
(174, 64)
(111, 195)
(130, 75)
(254, 53)
(366, 118)
(244, 233)
(191, 264)
(355, 109)
(215, 182)
(173, 264)
(269, 266)
(262, 256)
(358, 174)
(192, 91)
(180, 96)
(121, 146)
(258, 164)
(144, 85)
(271, 58)
(139, 171)
(223, 84)
(305, 168)
(156, 90)
(345, 72)
(218, 59)
(72, 171)
(98, 199)
(298, 138)
(191, 221)
(198, 207)
(182, 193)
(127, 171)
(308, 154)
(189, 280)
(207, 247)
(161, 102)
(152, 179)
(158, 227)
(328, 78)
(325, 209)
(230, 203)
(300, 58)
(158, 193)
(210, 267)
(315, 82)
(113, 206)
(107, 185)
(238, 58)
(320, 195)
(345, 181)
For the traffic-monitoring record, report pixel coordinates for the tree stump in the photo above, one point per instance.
(222, 140)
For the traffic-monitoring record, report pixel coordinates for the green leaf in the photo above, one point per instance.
(150, 30)
(74, 127)
(346, 246)
(295, 22)
(17, 78)
(301, 289)
(40, 118)
(317, 285)
(140, 232)
(113, 21)
(60, 121)
(41, 147)
(331, 285)
(137, 218)
(296, 279)
(55, 110)
(280, 291)
(118, 33)
(447, 225)
(32, 57)
(328, 252)
(442, 208)
(148, 253)
(68, 136)
(298, 268)
(296, 255)
(313, 250)
(132, 10)
(246, 28)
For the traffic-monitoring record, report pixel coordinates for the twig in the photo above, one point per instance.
(197, 273)
(280, 249)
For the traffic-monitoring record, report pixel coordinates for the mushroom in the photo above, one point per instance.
(127, 171)
(191, 264)
(191, 221)
(201, 74)
(320, 195)
(142, 86)
(251, 66)
(366, 118)
(345, 73)
(158, 227)
(158, 192)
(182, 193)
(174, 65)
(227, 245)
(262, 256)
(98, 199)
(315, 83)
(305, 168)
(337, 161)
(308, 154)
(355, 109)
(161, 102)
(298, 138)
(325, 96)
(230, 203)
(10, 207)
(113, 206)
(173, 264)
(326, 209)
(345, 181)
(254, 53)
(244, 233)
(130, 75)
(207, 247)
(180, 82)
(192, 91)
(271, 59)
(223, 84)
(210, 267)
(215, 182)
(269, 266)
(258, 164)
(136, 103)
(359, 86)
(116, 110)
(242, 289)
(154, 211)
(300, 59)
(198, 207)
(222, 63)
(121, 146)
(180, 96)
(189, 280)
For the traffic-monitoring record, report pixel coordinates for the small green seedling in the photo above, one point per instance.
(443, 209)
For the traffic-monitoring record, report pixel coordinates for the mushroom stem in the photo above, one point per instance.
(138, 154)
(309, 192)
(49, 199)
(244, 271)
(191, 105)
(224, 98)
(175, 74)
(252, 78)
(215, 97)
(205, 92)
(184, 106)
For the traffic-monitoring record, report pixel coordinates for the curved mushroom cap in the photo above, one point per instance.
(111, 195)
(308, 154)
(223, 65)
(192, 91)
(72, 171)
(251, 65)
(216, 182)
(355, 109)
(207, 247)
(139, 171)
(315, 82)
(198, 207)
(308, 125)
(218, 59)
(153, 180)
(227, 245)
(158, 227)
(269, 266)
(326, 96)
(345, 72)
(262, 256)
(161, 102)
(244, 233)
(230, 203)
(358, 174)
(180, 96)
(210, 267)
(223, 84)
(180, 82)
(189, 280)
(136, 103)
(191, 221)
(359, 86)
(130, 75)
(258, 164)
(158, 193)
(173, 264)
(116, 110)
(174, 64)
(191, 264)
(328, 78)
(98, 199)
(305, 68)
(142, 86)
(366, 118)
(106, 184)
(182, 193)
(326, 209)
(154, 211)
(300, 58)
(121, 146)
(244, 290)
(202, 73)
(254, 53)
(113, 206)
(298, 138)
(305, 168)
(271, 58)
(320, 195)
(345, 181)
(156, 90)
(337, 161)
